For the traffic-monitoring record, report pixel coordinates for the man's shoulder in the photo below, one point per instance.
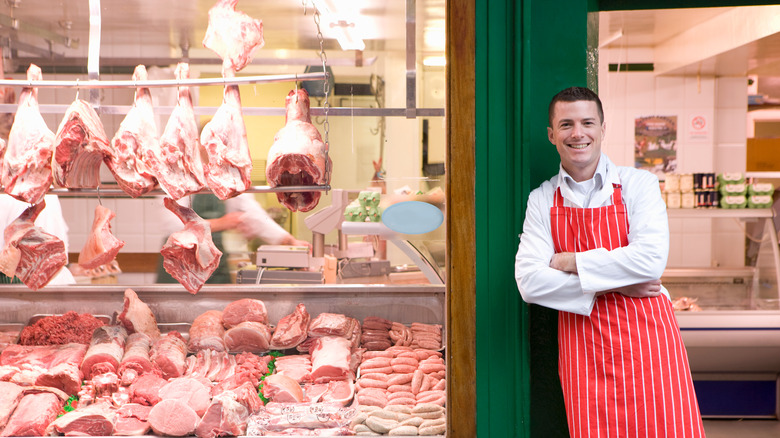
(633, 174)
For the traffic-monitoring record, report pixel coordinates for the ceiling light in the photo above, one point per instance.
(343, 25)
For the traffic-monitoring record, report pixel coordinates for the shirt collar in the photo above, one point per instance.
(606, 174)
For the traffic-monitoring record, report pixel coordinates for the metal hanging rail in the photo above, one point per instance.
(90, 84)
(114, 192)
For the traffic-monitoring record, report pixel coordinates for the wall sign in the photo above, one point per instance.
(655, 144)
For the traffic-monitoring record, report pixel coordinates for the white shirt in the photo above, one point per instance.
(50, 219)
(643, 259)
(258, 224)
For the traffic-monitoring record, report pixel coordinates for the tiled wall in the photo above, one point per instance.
(723, 103)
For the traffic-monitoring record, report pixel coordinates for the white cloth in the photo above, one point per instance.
(644, 259)
(50, 219)
(257, 224)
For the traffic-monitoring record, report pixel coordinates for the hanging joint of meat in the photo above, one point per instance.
(233, 35)
(190, 255)
(101, 246)
(136, 134)
(298, 155)
(224, 139)
(79, 147)
(26, 168)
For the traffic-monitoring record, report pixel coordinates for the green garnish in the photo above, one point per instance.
(69, 405)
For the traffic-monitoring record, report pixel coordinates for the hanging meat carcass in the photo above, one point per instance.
(190, 255)
(79, 147)
(101, 246)
(31, 253)
(298, 155)
(26, 171)
(136, 134)
(233, 35)
(177, 164)
(224, 138)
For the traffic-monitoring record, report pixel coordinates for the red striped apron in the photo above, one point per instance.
(624, 370)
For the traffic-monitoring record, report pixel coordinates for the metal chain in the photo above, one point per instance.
(326, 89)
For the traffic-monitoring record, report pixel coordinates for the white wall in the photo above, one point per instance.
(723, 103)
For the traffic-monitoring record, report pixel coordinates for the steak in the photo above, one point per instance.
(233, 35)
(31, 253)
(101, 246)
(33, 415)
(26, 171)
(224, 138)
(137, 317)
(297, 367)
(136, 134)
(10, 395)
(132, 419)
(282, 389)
(291, 329)
(177, 164)
(298, 155)
(79, 147)
(190, 255)
(189, 390)
(145, 390)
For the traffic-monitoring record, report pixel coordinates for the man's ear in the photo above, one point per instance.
(550, 135)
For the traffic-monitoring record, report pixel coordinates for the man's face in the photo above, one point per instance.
(576, 133)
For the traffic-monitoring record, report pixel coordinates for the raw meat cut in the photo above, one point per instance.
(296, 367)
(302, 419)
(57, 365)
(10, 395)
(207, 332)
(339, 391)
(105, 351)
(190, 255)
(132, 419)
(191, 391)
(250, 336)
(79, 147)
(173, 418)
(249, 368)
(233, 35)
(332, 324)
(26, 172)
(33, 415)
(169, 353)
(135, 361)
(177, 164)
(291, 329)
(136, 134)
(96, 419)
(246, 309)
(224, 138)
(31, 253)
(101, 246)
(137, 317)
(298, 155)
(282, 389)
(61, 329)
(224, 416)
(330, 359)
(145, 389)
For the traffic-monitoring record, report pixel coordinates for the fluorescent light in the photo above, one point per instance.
(435, 61)
(342, 25)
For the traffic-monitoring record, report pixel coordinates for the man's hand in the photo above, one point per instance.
(564, 261)
(641, 290)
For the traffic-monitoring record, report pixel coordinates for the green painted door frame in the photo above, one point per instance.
(526, 51)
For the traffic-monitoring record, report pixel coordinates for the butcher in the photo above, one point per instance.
(50, 219)
(594, 245)
(241, 213)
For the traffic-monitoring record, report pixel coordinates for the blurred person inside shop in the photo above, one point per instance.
(595, 242)
(242, 214)
(50, 219)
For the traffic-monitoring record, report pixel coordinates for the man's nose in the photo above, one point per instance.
(577, 130)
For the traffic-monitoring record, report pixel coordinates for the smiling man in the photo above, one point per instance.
(594, 245)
